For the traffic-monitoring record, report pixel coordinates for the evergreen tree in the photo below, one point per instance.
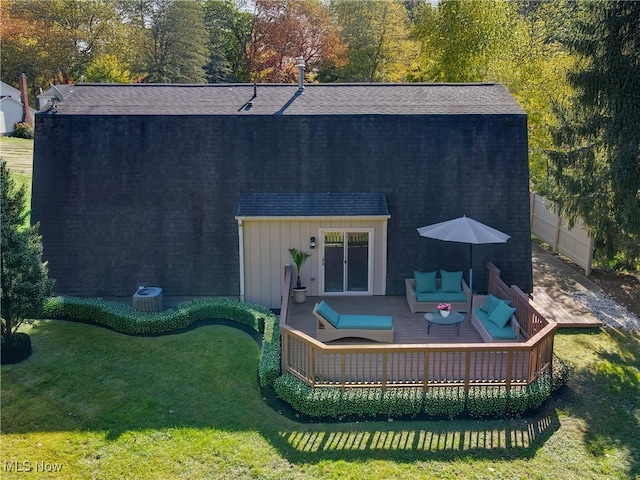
(23, 276)
(230, 36)
(596, 157)
(175, 43)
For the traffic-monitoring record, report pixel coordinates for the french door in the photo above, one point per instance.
(346, 261)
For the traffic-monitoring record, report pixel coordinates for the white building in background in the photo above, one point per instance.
(10, 108)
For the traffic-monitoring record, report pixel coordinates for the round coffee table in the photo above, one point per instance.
(454, 318)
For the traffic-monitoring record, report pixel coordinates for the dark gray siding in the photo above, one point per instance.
(134, 200)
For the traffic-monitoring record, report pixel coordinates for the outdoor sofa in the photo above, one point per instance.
(332, 326)
(425, 291)
(495, 319)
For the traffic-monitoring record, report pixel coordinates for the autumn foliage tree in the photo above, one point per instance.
(377, 36)
(287, 29)
(55, 40)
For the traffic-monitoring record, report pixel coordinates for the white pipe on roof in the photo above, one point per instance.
(300, 65)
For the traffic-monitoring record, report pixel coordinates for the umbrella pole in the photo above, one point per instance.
(471, 267)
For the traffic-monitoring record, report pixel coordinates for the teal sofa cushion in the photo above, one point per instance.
(328, 313)
(450, 282)
(501, 314)
(367, 322)
(425, 282)
(499, 333)
(441, 296)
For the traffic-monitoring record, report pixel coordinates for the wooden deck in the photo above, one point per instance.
(563, 309)
(553, 282)
(409, 328)
(415, 358)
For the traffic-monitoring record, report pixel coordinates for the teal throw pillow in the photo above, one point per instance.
(425, 282)
(328, 313)
(491, 303)
(450, 282)
(501, 314)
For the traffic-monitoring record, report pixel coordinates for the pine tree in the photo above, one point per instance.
(595, 164)
(23, 276)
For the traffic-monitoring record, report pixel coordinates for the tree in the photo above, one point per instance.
(107, 69)
(460, 37)
(533, 65)
(287, 29)
(55, 40)
(377, 37)
(230, 37)
(23, 276)
(513, 43)
(176, 45)
(595, 163)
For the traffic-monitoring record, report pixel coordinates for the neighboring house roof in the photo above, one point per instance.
(12, 100)
(10, 113)
(11, 107)
(17, 102)
(45, 99)
(285, 99)
(312, 205)
(7, 90)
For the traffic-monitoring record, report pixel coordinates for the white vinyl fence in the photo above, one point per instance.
(574, 243)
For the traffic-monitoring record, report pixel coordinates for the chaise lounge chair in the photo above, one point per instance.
(332, 326)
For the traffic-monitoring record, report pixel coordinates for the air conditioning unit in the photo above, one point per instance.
(148, 299)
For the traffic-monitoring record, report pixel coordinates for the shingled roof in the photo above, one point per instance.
(286, 99)
(312, 205)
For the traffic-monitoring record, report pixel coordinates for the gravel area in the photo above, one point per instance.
(608, 311)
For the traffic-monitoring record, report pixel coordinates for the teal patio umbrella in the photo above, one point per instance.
(464, 230)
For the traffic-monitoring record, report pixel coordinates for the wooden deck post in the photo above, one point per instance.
(311, 361)
(343, 381)
(425, 373)
(467, 371)
(384, 371)
(509, 370)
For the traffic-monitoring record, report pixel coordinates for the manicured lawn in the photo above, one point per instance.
(106, 405)
(18, 152)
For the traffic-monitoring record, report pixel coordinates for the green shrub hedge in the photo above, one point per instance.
(447, 402)
(560, 373)
(124, 319)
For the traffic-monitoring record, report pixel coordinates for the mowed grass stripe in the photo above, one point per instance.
(18, 152)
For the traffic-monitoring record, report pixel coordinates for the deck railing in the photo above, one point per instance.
(284, 306)
(423, 365)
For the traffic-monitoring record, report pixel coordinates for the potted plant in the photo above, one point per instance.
(445, 309)
(299, 257)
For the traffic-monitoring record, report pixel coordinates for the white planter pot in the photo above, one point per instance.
(445, 313)
(300, 295)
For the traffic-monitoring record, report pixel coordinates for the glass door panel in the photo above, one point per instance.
(333, 262)
(346, 261)
(357, 261)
